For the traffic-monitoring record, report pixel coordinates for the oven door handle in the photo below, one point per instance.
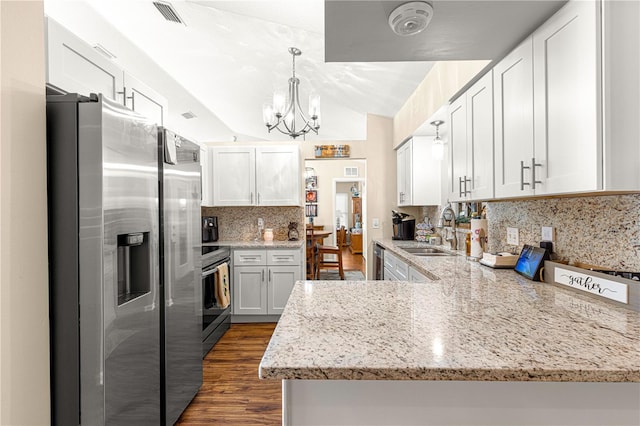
(210, 272)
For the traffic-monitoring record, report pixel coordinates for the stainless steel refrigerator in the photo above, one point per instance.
(111, 337)
(182, 270)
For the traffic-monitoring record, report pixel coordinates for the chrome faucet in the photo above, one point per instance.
(450, 216)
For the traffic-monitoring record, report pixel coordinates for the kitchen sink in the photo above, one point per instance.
(426, 251)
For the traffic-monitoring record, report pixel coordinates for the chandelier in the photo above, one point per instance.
(282, 114)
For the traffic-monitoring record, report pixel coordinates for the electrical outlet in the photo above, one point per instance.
(548, 234)
(375, 223)
(512, 236)
(260, 223)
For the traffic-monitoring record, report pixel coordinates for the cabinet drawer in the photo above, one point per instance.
(389, 260)
(249, 257)
(402, 270)
(284, 257)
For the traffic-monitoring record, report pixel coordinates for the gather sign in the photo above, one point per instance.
(595, 285)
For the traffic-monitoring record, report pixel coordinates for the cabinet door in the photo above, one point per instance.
(403, 158)
(249, 290)
(206, 178)
(278, 176)
(74, 67)
(567, 114)
(280, 283)
(458, 149)
(426, 178)
(234, 176)
(513, 107)
(480, 138)
(144, 100)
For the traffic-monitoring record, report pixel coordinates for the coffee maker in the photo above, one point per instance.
(404, 226)
(209, 229)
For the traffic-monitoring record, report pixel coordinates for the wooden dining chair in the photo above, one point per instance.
(311, 255)
(324, 264)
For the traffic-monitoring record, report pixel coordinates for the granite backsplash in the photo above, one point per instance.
(241, 223)
(602, 230)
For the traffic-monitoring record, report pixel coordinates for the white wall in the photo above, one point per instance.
(380, 182)
(24, 325)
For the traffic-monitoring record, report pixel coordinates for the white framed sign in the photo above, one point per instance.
(595, 285)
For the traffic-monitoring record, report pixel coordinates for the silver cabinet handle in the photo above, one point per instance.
(252, 198)
(533, 172)
(522, 182)
(245, 258)
(466, 179)
(460, 187)
(263, 275)
(125, 97)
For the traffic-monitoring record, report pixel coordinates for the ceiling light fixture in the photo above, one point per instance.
(284, 108)
(410, 18)
(437, 149)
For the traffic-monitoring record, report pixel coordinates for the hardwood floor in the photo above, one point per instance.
(352, 262)
(232, 393)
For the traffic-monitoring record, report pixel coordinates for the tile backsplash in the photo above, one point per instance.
(602, 230)
(241, 223)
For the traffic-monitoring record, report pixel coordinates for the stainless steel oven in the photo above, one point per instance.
(216, 319)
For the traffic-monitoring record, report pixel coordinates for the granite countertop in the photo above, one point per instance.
(473, 323)
(237, 244)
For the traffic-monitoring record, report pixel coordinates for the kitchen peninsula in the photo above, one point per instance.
(474, 346)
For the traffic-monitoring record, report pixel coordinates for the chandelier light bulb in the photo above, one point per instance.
(267, 114)
(289, 120)
(437, 149)
(314, 105)
(279, 100)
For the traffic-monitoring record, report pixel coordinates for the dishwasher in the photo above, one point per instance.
(378, 255)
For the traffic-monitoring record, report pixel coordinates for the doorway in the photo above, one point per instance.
(333, 180)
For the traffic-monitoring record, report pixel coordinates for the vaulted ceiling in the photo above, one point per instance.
(232, 55)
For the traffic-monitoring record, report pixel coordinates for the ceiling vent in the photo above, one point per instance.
(410, 18)
(189, 115)
(351, 172)
(167, 10)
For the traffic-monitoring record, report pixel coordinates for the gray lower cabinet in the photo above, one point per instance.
(263, 280)
(249, 290)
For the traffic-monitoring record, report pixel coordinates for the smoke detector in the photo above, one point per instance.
(410, 18)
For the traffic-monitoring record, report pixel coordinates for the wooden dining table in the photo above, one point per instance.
(312, 249)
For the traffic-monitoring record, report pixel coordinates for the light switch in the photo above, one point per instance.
(512, 236)
(548, 234)
(375, 223)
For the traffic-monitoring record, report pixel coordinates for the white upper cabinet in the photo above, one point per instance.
(567, 117)
(458, 149)
(471, 143)
(249, 176)
(143, 99)
(480, 138)
(404, 174)
(547, 111)
(205, 177)
(418, 178)
(513, 92)
(75, 67)
(278, 175)
(234, 176)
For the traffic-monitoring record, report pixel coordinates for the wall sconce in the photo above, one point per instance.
(437, 150)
